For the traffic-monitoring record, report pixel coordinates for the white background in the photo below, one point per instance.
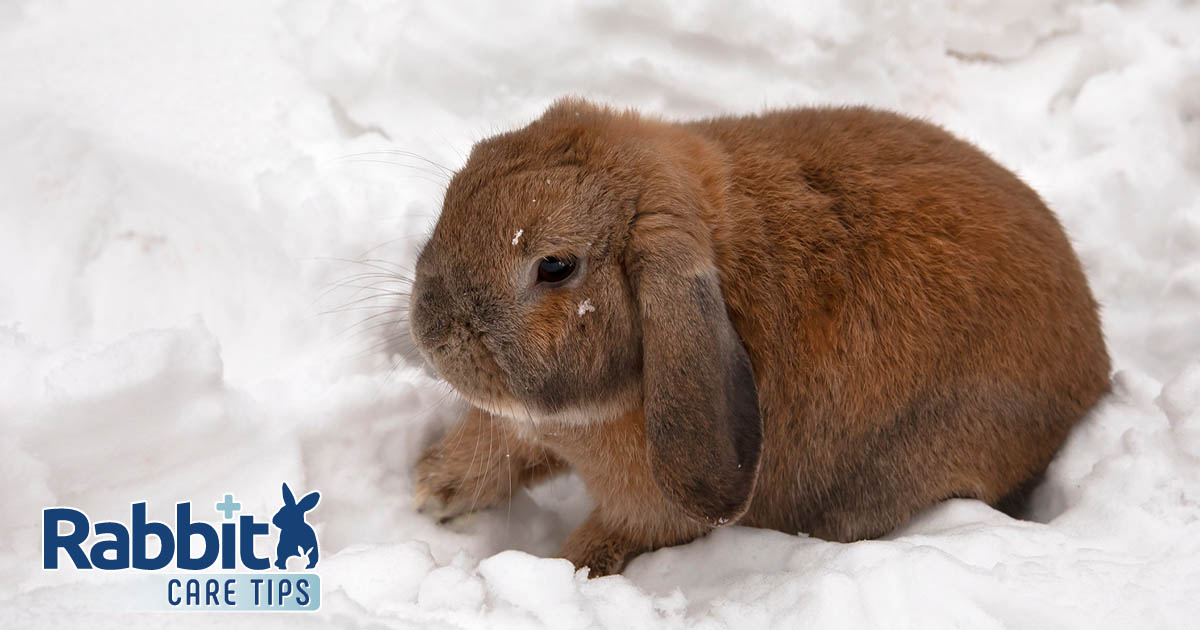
(184, 186)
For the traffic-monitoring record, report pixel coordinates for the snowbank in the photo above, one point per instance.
(192, 192)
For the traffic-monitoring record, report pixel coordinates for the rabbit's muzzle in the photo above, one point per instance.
(453, 330)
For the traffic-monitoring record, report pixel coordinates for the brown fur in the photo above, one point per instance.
(813, 320)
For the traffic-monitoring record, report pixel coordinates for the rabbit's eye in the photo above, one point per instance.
(553, 269)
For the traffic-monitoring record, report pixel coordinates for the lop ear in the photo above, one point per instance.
(703, 428)
(309, 501)
(288, 498)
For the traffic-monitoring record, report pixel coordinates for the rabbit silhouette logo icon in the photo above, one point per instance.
(296, 537)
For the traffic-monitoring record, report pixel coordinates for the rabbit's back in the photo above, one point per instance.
(918, 323)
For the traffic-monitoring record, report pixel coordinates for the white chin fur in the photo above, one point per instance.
(529, 425)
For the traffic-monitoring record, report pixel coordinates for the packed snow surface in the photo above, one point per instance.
(203, 205)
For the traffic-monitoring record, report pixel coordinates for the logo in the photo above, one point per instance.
(244, 581)
(296, 537)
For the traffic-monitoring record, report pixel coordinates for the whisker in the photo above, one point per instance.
(453, 147)
(435, 178)
(376, 263)
(422, 165)
(367, 275)
(357, 303)
(470, 467)
(402, 342)
(455, 437)
(409, 154)
(486, 467)
(448, 395)
(508, 466)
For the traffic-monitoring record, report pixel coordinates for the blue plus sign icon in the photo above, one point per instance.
(228, 506)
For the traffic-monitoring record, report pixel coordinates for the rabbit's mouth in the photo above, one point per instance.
(468, 364)
(471, 369)
(455, 346)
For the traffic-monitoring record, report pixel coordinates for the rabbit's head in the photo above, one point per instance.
(572, 277)
(292, 513)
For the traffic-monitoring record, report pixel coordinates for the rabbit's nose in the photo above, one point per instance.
(444, 317)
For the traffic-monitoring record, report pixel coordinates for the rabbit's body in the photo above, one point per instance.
(917, 324)
(943, 338)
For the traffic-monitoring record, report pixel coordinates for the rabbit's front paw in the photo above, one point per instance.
(449, 484)
(600, 550)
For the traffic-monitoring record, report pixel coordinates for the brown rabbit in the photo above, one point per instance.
(811, 320)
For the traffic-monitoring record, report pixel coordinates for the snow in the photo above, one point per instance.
(585, 307)
(206, 206)
(517, 237)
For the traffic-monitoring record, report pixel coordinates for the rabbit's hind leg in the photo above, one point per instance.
(959, 444)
